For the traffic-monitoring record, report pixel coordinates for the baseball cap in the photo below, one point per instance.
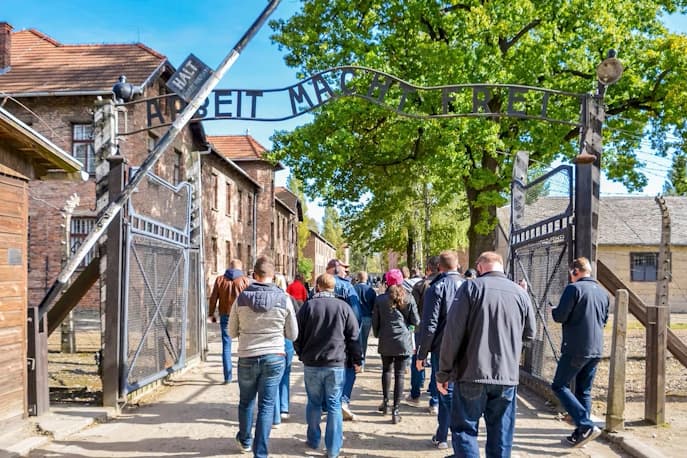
(335, 263)
(393, 277)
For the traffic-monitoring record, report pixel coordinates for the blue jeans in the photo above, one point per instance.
(283, 394)
(582, 370)
(226, 347)
(417, 379)
(323, 386)
(498, 404)
(348, 385)
(365, 326)
(444, 401)
(258, 375)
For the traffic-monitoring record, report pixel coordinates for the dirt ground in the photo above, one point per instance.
(670, 437)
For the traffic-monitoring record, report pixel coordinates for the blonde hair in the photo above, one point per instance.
(325, 282)
(397, 294)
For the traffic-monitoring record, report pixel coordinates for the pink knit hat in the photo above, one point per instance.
(393, 277)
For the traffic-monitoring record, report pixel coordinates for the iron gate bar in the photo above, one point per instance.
(156, 313)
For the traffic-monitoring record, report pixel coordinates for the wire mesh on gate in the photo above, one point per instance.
(156, 282)
(540, 251)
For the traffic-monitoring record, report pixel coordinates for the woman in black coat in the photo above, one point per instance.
(393, 314)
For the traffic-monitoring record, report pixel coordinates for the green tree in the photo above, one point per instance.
(294, 185)
(353, 149)
(332, 230)
(676, 184)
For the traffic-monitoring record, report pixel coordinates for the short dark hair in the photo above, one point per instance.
(433, 263)
(264, 266)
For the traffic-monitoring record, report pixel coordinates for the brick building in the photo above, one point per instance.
(272, 216)
(53, 88)
(228, 214)
(287, 230)
(320, 250)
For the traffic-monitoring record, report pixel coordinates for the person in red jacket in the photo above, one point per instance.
(297, 289)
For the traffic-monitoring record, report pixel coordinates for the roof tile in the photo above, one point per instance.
(41, 64)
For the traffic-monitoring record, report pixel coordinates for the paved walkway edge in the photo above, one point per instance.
(632, 446)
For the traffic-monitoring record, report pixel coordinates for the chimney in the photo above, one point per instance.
(5, 46)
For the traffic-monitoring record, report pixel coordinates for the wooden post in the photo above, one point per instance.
(615, 410)
(657, 329)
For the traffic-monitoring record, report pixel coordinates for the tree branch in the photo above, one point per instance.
(505, 45)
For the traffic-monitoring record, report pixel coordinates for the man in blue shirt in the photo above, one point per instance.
(583, 312)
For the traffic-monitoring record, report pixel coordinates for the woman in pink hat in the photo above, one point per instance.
(394, 313)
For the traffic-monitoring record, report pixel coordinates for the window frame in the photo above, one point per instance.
(89, 156)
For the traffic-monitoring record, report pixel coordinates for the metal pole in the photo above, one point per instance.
(111, 211)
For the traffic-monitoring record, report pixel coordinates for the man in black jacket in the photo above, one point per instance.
(583, 311)
(327, 341)
(489, 319)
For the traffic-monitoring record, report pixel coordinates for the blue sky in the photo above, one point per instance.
(208, 29)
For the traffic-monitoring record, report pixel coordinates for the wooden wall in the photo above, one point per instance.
(13, 300)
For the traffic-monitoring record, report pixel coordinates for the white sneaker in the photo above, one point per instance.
(285, 415)
(433, 410)
(348, 414)
(439, 445)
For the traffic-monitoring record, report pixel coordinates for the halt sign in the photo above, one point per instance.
(188, 79)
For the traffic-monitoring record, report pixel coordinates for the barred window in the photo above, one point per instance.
(82, 146)
(79, 228)
(643, 266)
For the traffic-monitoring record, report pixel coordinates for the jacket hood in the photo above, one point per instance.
(262, 297)
(233, 274)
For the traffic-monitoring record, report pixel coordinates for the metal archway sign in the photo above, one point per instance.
(395, 94)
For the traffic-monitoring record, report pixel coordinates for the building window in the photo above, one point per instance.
(82, 146)
(228, 198)
(239, 251)
(272, 236)
(643, 266)
(227, 252)
(251, 207)
(250, 257)
(215, 191)
(240, 205)
(178, 165)
(79, 228)
(215, 255)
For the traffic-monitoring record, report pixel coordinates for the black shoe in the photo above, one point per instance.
(383, 407)
(395, 416)
(580, 438)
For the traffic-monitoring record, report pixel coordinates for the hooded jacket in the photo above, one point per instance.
(226, 289)
(262, 316)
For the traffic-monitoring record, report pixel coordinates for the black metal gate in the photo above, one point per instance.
(541, 248)
(157, 289)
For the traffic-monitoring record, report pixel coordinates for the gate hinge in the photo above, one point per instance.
(31, 363)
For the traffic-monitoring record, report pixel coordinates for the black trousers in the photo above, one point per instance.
(399, 364)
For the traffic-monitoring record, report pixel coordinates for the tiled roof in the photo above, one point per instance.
(41, 64)
(630, 220)
(238, 147)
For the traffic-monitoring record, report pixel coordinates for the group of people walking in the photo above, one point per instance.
(469, 330)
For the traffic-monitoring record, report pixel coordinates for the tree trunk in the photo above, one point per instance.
(410, 249)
